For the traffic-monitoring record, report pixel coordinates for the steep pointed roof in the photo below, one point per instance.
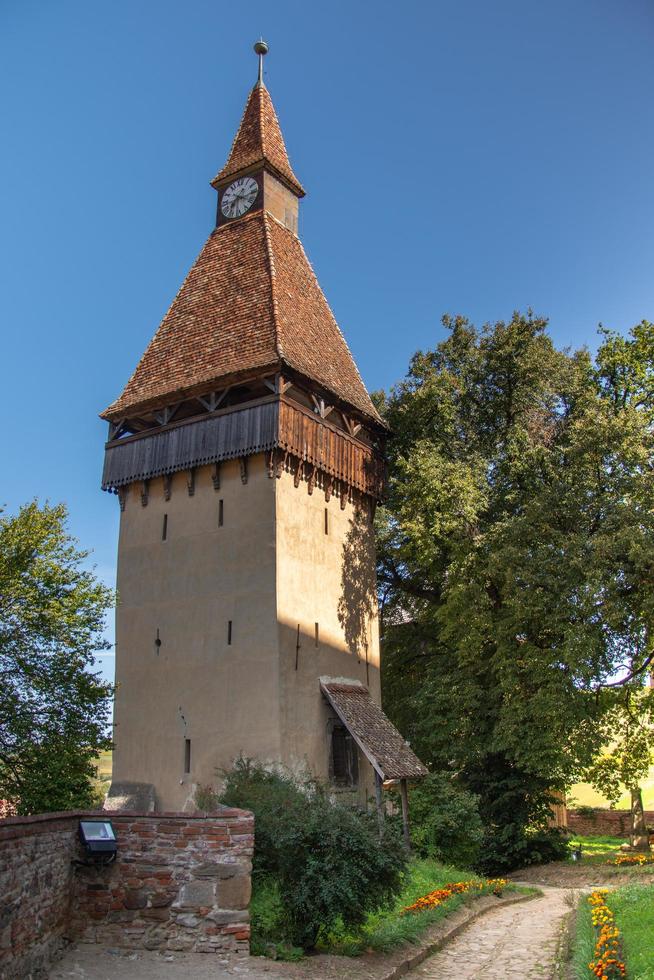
(250, 302)
(259, 139)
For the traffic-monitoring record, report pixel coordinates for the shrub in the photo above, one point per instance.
(511, 846)
(274, 797)
(329, 860)
(445, 821)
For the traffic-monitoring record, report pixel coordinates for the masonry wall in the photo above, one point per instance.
(598, 821)
(180, 882)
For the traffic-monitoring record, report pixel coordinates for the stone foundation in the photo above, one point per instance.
(180, 882)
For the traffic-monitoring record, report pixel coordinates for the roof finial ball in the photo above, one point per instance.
(260, 48)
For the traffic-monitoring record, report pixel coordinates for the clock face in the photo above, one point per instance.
(239, 197)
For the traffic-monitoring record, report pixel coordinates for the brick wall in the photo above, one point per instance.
(598, 821)
(180, 882)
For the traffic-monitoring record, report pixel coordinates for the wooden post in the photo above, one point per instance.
(380, 805)
(405, 813)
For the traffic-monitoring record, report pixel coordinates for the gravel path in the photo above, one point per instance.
(518, 942)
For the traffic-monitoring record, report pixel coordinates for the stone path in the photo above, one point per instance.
(512, 942)
(517, 942)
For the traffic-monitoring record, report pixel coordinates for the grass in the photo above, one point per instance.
(597, 850)
(633, 907)
(382, 931)
(584, 942)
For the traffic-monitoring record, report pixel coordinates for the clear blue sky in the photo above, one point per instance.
(464, 156)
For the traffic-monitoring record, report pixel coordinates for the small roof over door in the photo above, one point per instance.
(377, 737)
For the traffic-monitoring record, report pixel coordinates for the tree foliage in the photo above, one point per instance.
(53, 708)
(517, 554)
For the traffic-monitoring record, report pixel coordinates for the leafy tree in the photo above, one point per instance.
(516, 558)
(626, 761)
(53, 709)
(445, 822)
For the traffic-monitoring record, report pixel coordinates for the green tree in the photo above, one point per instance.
(516, 558)
(626, 761)
(53, 709)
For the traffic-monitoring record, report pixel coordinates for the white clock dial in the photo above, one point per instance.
(239, 197)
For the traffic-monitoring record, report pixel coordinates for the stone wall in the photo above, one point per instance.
(598, 821)
(180, 882)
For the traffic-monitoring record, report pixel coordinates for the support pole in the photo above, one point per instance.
(405, 813)
(380, 805)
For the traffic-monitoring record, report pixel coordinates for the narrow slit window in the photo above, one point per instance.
(164, 529)
(326, 521)
(229, 632)
(317, 636)
(187, 756)
(221, 513)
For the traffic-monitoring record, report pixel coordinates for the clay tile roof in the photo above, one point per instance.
(251, 301)
(259, 138)
(376, 736)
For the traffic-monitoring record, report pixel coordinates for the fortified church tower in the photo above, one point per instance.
(245, 453)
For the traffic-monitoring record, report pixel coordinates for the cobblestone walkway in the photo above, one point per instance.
(518, 942)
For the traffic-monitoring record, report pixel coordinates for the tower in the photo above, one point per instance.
(246, 455)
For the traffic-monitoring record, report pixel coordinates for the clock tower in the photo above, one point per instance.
(246, 456)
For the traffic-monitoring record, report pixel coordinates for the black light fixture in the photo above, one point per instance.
(99, 840)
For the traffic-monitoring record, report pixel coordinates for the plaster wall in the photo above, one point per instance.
(223, 697)
(325, 576)
(283, 561)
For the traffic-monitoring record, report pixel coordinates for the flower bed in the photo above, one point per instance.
(607, 963)
(631, 860)
(433, 899)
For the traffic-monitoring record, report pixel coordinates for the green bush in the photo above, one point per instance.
(445, 821)
(511, 845)
(329, 860)
(275, 798)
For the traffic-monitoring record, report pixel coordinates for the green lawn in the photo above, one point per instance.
(584, 942)
(381, 932)
(597, 850)
(633, 907)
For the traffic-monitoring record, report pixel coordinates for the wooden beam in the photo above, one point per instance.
(190, 481)
(244, 469)
(312, 479)
(297, 476)
(167, 485)
(404, 794)
(145, 492)
(322, 410)
(215, 476)
(122, 496)
(379, 802)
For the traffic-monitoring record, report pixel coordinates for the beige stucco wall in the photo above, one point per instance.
(269, 568)
(327, 579)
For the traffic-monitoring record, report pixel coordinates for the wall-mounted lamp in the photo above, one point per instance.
(99, 840)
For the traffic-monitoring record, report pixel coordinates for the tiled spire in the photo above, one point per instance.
(259, 140)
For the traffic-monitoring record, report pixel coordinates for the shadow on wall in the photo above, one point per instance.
(358, 601)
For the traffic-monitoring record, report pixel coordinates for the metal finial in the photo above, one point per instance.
(260, 48)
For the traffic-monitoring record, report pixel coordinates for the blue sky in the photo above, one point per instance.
(465, 156)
